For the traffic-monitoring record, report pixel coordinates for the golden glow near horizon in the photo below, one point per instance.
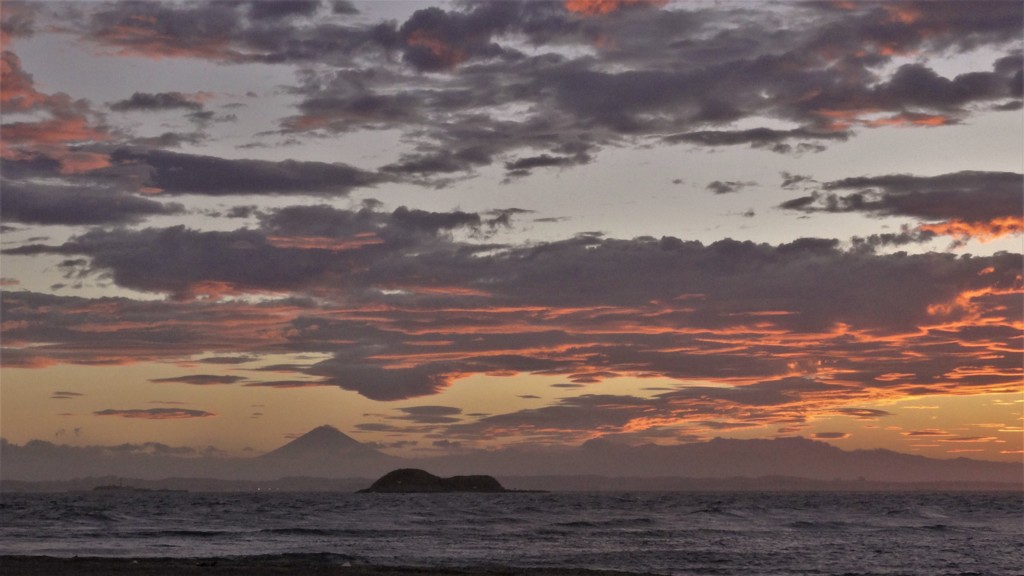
(245, 421)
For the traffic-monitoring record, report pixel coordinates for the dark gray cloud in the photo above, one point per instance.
(915, 85)
(232, 32)
(32, 203)
(584, 412)
(403, 309)
(971, 196)
(435, 39)
(95, 184)
(431, 410)
(65, 395)
(767, 393)
(196, 258)
(161, 30)
(18, 20)
(824, 78)
(776, 140)
(791, 180)
(36, 165)
(175, 173)
(905, 236)
(441, 162)
(720, 187)
(431, 414)
(273, 9)
(230, 360)
(146, 102)
(299, 247)
(201, 379)
(864, 413)
(831, 435)
(156, 413)
(343, 7)
(433, 222)
(170, 139)
(358, 109)
(630, 87)
(542, 161)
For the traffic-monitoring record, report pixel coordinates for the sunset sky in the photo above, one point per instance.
(450, 226)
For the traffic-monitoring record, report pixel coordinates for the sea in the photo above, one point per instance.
(670, 533)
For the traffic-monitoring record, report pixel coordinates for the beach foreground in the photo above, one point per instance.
(321, 564)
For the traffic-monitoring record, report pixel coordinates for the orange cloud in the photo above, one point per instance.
(77, 162)
(843, 120)
(437, 290)
(325, 243)
(55, 131)
(305, 123)
(17, 89)
(601, 7)
(840, 119)
(927, 432)
(645, 423)
(982, 231)
(970, 300)
(71, 161)
(141, 39)
(14, 359)
(68, 123)
(441, 50)
(287, 384)
(894, 376)
(212, 290)
(970, 439)
(964, 372)
(901, 13)
(908, 120)
(412, 360)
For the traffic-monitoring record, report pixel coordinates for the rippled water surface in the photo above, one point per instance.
(664, 533)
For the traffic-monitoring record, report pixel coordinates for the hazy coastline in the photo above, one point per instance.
(327, 459)
(546, 483)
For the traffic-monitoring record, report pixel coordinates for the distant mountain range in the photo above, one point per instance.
(328, 453)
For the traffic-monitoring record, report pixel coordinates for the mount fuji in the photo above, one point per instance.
(328, 452)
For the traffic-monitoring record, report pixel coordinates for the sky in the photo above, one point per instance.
(444, 227)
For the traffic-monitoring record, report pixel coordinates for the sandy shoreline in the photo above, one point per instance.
(318, 564)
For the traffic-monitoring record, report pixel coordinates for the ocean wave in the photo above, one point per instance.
(610, 523)
(667, 533)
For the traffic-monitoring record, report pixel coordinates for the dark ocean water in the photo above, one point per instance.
(663, 533)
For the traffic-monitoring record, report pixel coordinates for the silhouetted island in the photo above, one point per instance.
(409, 480)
